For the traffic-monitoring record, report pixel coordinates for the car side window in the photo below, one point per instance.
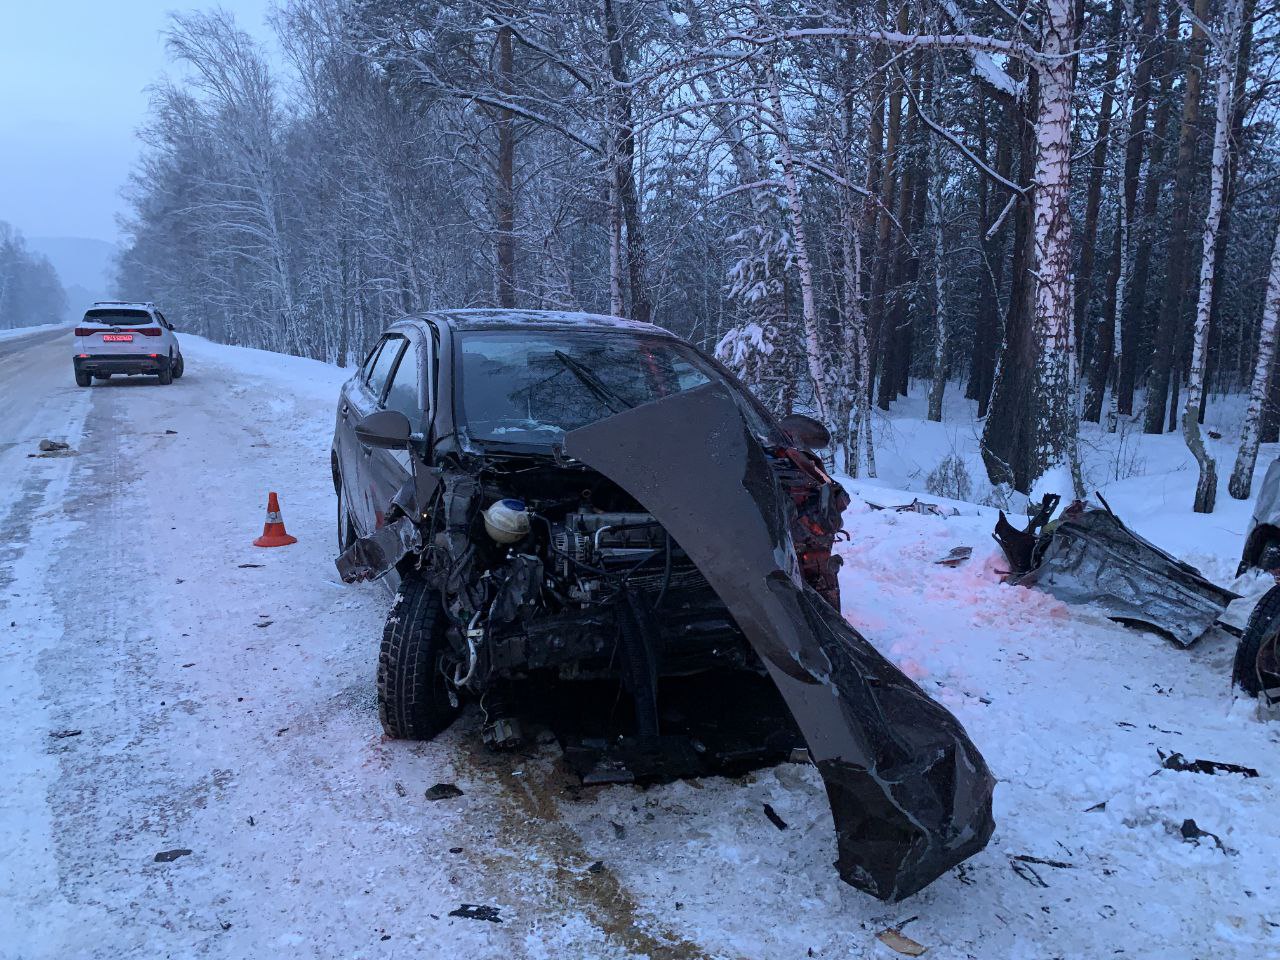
(380, 372)
(405, 388)
(370, 360)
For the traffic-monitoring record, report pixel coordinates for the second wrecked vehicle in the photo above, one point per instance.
(577, 504)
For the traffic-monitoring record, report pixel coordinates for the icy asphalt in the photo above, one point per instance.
(223, 700)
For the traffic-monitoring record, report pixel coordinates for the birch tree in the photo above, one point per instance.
(1227, 44)
(1241, 481)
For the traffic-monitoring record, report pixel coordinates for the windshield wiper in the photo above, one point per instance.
(593, 383)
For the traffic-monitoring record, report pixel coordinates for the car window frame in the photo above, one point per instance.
(409, 352)
(379, 395)
(366, 365)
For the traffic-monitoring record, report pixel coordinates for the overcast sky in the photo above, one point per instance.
(73, 78)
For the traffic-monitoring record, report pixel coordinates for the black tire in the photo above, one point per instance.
(83, 379)
(166, 374)
(413, 695)
(1263, 624)
(179, 367)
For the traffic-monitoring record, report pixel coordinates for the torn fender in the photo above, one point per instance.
(1091, 557)
(910, 794)
(374, 556)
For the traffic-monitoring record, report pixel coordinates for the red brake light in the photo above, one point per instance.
(84, 332)
(150, 331)
(153, 354)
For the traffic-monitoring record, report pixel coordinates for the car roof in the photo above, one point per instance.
(544, 319)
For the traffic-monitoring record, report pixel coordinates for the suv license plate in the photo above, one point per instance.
(118, 337)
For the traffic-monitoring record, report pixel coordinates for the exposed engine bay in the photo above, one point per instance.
(684, 582)
(546, 565)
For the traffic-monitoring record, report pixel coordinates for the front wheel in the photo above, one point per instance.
(1257, 663)
(178, 367)
(415, 700)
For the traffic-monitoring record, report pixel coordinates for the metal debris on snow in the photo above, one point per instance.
(1176, 761)
(476, 911)
(957, 556)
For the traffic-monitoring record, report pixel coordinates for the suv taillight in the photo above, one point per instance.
(150, 331)
(85, 332)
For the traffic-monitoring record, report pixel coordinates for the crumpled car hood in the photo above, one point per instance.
(909, 792)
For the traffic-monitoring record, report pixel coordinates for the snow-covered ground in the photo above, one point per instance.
(20, 333)
(224, 706)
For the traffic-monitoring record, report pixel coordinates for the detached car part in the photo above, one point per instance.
(1089, 556)
(910, 793)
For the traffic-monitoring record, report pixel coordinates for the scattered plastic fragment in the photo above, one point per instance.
(443, 791)
(896, 940)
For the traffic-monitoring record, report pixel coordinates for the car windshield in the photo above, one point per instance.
(532, 387)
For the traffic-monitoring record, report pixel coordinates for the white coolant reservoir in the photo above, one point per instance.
(506, 521)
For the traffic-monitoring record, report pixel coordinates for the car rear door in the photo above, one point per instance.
(347, 448)
(368, 503)
(407, 393)
(167, 337)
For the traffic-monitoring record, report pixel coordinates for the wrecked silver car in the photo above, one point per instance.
(1088, 556)
(598, 531)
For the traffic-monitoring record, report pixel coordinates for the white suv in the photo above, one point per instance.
(126, 338)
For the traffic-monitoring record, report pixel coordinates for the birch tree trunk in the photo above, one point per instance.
(615, 242)
(1055, 420)
(1241, 481)
(1228, 43)
(1170, 327)
(1109, 357)
(937, 184)
(804, 265)
(505, 187)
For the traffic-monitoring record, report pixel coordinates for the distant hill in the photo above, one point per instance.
(85, 267)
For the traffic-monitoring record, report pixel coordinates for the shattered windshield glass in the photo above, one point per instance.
(531, 387)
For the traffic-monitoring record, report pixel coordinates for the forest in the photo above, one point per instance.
(30, 291)
(1064, 209)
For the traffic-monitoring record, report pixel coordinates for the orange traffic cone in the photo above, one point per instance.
(273, 532)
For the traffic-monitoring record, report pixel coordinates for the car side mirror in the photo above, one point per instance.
(385, 429)
(805, 432)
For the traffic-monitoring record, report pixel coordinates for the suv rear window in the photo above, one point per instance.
(117, 316)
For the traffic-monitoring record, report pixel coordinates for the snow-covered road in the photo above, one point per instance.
(224, 704)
